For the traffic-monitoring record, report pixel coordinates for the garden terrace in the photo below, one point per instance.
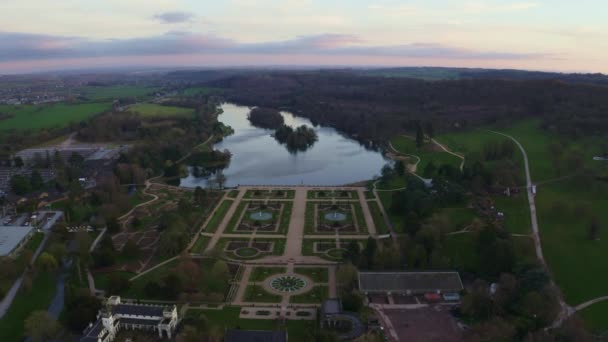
(323, 194)
(272, 194)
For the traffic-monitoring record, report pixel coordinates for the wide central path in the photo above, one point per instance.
(295, 235)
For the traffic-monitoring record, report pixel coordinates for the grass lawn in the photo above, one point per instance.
(256, 293)
(228, 318)
(374, 208)
(34, 117)
(398, 221)
(595, 317)
(360, 218)
(151, 109)
(38, 298)
(427, 153)
(517, 213)
(233, 193)
(200, 244)
(461, 248)
(207, 286)
(103, 279)
(218, 216)
(316, 295)
(261, 273)
(458, 218)
(285, 217)
(317, 274)
(234, 220)
(116, 92)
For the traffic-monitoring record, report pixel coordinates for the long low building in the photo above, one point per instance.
(409, 283)
(13, 238)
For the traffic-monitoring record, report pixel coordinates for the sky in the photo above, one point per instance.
(551, 35)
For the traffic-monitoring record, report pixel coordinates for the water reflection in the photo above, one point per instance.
(257, 158)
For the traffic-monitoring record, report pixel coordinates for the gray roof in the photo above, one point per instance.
(138, 310)
(11, 237)
(331, 306)
(236, 335)
(415, 282)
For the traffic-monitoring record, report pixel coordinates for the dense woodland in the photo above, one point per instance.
(266, 118)
(376, 107)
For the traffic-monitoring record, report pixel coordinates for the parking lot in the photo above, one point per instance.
(433, 323)
(41, 219)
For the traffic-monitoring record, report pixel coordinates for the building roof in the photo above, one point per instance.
(415, 282)
(92, 333)
(236, 335)
(140, 321)
(331, 306)
(11, 237)
(138, 310)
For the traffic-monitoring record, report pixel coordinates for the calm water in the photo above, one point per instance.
(258, 159)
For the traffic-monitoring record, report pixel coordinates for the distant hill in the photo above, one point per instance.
(436, 73)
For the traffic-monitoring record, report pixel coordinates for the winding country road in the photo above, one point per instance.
(566, 310)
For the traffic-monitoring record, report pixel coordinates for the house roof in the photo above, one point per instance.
(237, 335)
(138, 310)
(11, 237)
(409, 281)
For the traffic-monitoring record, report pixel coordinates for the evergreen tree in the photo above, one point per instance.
(419, 136)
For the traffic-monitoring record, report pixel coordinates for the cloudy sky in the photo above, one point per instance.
(562, 35)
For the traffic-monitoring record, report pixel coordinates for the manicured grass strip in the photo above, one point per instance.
(234, 220)
(285, 217)
(318, 294)
(233, 193)
(228, 318)
(398, 221)
(261, 273)
(218, 216)
(309, 218)
(256, 293)
(200, 244)
(360, 218)
(38, 298)
(374, 208)
(317, 274)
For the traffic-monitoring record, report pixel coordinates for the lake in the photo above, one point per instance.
(258, 159)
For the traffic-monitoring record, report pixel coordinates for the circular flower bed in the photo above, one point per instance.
(288, 283)
(246, 252)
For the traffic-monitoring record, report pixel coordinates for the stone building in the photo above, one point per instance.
(116, 316)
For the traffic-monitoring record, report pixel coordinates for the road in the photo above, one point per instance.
(566, 311)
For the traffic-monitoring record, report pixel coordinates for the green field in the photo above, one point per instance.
(256, 293)
(381, 227)
(116, 92)
(316, 295)
(34, 117)
(154, 110)
(427, 153)
(228, 318)
(595, 317)
(564, 209)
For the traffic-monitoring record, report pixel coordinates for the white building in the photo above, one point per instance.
(116, 316)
